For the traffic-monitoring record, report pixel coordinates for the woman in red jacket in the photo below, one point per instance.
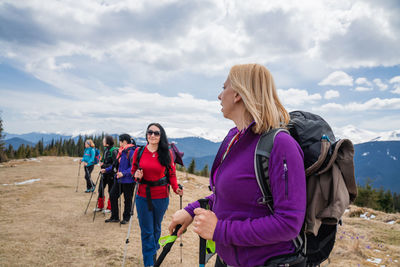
(154, 168)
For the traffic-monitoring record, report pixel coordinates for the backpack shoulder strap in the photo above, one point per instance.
(261, 164)
(139, 155)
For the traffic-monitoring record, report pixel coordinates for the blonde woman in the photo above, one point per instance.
(88, 162)
(245, 231)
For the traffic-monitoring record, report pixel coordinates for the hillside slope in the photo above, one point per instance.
(43, 223)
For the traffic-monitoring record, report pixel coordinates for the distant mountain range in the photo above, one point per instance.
(376, 159)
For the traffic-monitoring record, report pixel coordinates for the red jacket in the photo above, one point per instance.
(153, 171)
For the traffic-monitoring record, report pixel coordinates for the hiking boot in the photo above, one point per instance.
(87, 191)
(97, 209)
(92, 189)
(123, 222)
(111, 220)
(106, 211)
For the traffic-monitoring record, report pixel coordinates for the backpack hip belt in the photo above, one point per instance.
(160, 182)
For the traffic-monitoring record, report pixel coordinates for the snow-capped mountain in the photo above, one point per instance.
(358, 136)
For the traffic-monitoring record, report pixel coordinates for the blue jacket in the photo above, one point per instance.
(247, 234)
(125, 166)
(88, 156)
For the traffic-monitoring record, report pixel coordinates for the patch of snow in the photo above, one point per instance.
(346, 210)
(391, 222)
(365, 154)
(377, 250)
(364, 216)
(76, 159)
(30, 181)
(375, 260)
(372, 216)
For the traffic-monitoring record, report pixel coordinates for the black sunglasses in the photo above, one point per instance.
(156, 133)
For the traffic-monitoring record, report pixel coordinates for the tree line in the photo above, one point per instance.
(370, 197)
(377, 199)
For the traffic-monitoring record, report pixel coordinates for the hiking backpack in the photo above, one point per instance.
(96, 155)
(330, 180)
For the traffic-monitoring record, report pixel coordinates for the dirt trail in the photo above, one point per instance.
(43, 223)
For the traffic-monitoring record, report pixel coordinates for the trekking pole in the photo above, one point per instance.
(119, 200)
(168, 246)
(91, 195)
(130, 222)
(77, 179)
(180, 202)
(203, 242)
(98, 195)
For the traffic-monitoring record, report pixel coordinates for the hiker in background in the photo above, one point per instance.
(245, 231)
(108, 159)
(89, 162)
(124, 182)
(154, 168)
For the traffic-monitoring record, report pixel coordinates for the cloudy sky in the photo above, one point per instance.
(115, 66)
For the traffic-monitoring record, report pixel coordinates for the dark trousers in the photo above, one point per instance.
(115, 193)
(107, 180)
(88, 172)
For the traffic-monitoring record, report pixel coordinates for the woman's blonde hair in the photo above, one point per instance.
(256, 86)
(90, 142)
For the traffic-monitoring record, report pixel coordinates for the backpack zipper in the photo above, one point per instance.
(285, 169)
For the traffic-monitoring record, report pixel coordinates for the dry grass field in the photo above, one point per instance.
(42, 223)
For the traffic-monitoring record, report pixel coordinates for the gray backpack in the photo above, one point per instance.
(331, 185)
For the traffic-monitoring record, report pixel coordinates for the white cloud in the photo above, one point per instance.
(396, 87)
(363, 89)
(363, 81)
(372, 104)
(331, 94)
(382, 86)
(168, 47)
(297, 97)
(395, 79)
(337, 78)
(126, 109)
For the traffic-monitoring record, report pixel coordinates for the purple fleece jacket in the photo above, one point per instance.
(247, 234)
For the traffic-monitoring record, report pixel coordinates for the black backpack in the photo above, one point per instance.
(312, 133)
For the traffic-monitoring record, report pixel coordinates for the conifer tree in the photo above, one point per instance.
(204, 172)
(10, 152)
(192, 167)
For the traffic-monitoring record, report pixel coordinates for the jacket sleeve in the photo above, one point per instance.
(109, 169)
(127, 171)
(92, 155)
(83, 157)
(192, 206)
(287, 179)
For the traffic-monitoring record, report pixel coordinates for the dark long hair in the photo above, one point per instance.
(109, 140)
(163, 150)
